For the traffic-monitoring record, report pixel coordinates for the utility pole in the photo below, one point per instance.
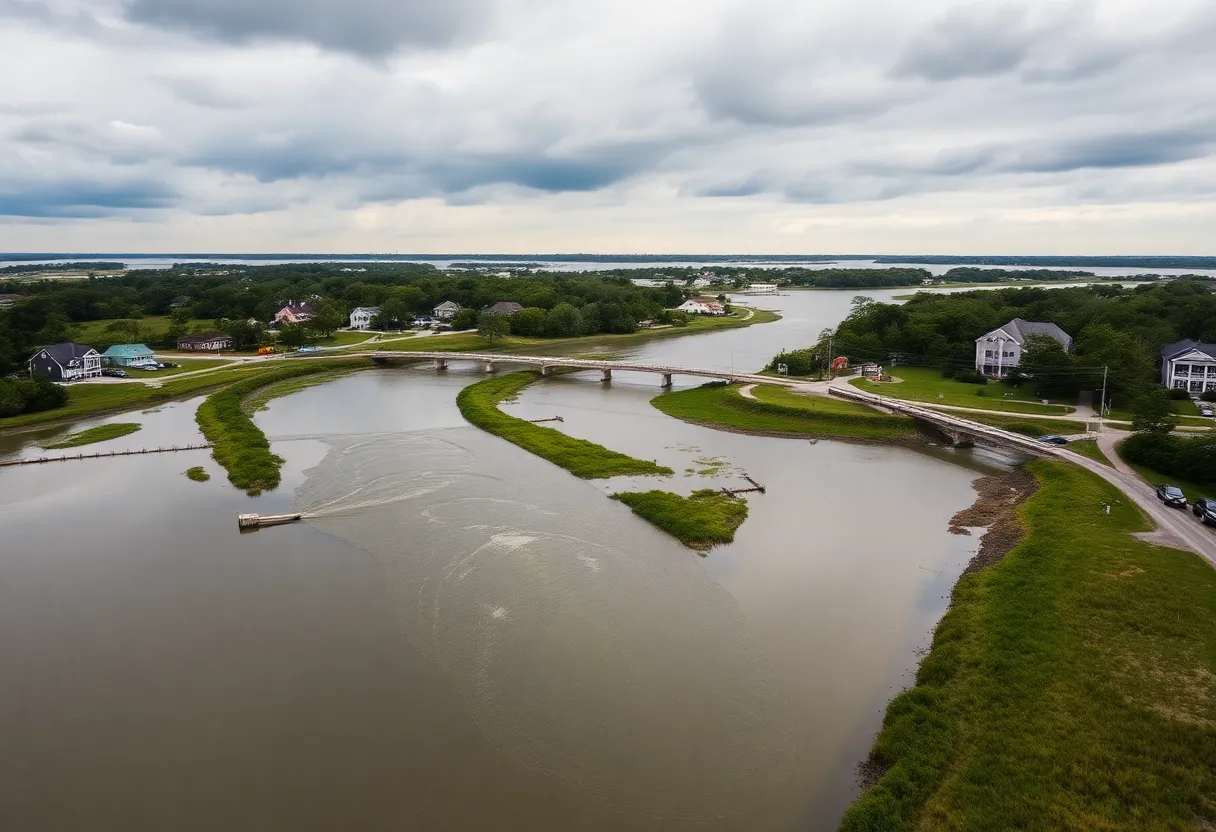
(831, 357)
(1102, 403)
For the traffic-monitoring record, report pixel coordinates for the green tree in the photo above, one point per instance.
(1048, 366)
(530, 321)
(331, 316)
(244, 335)
(466, 318)
(1154, 413)
(493, 327)
(292, 335)
(565, 321)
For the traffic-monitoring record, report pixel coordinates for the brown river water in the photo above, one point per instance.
(463, 636)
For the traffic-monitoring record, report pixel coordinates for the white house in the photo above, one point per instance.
(361, 317)
(446, 310)
(1189, 365)
(762, 289)
(701, 307)
(701, 282)
(997, 352)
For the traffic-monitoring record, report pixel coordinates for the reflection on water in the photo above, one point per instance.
(586, 646)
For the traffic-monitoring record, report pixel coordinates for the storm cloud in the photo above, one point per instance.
(744, 125)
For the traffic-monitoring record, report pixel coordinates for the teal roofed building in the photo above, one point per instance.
(129, 355)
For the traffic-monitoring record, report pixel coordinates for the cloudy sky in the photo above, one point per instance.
(712, 126)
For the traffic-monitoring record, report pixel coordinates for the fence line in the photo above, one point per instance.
(101, 454)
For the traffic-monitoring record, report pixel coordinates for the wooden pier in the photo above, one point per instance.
(756, 488)
(103, 454)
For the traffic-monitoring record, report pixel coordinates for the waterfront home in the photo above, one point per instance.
(295, 313)
(701, 307)
(762, 289)
(65, 362)
(205, 342)
(505, 307)
(446, 310)
(361, 317)
(129, 355)
(1000, 350)
(1189, 365)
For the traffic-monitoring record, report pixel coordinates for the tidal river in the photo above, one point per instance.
(464, 636)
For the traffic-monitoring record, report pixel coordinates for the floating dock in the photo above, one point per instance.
(257, 521)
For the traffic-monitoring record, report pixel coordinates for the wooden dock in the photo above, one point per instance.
(103, 454)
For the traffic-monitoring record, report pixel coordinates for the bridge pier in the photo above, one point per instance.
(546, 370)
(958, 439)
(490, 368)
(441, 364)
(606, 374)
(666, 382)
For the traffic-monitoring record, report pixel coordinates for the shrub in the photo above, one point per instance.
(970, 377)
(1179, 394)
(949, 372)
(1208, 395)
(797, 362)
(1188, 459)
(30, 395)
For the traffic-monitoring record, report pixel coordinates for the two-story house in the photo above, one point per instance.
(446, 310)
(361, 317)
(1000, 350)
(1189, 365)
(65, 362)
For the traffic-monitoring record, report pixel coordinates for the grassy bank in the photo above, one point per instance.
(777, 411)
(925, 384)
(479, 404)
(1025, 425)
(1071, 685)
(699, 521)
(98, 434)
(198, 474)
(1089, 448)
(240, 446)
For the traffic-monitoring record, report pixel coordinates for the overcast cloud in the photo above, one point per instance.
(1052, 126)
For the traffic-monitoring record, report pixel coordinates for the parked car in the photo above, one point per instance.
(1205, 510)
(169, 365)
(112, 373)
(1206, 410)
(1171, 495)
(1053, 439)
(310, 349)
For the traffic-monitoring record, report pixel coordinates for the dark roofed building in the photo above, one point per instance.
(505, 307)
(65, 362)
(205, 342)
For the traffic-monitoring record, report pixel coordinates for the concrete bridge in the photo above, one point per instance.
(547, 364)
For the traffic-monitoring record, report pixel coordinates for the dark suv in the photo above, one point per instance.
(1205, 510)
(1171, 495)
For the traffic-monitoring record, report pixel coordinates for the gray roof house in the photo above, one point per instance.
(1189, 365)
(65, 362)
(999, 351)
(505, 307)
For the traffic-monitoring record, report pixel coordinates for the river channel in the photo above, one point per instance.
(463, 636)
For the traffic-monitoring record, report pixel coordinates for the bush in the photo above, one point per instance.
(970, 377)
(949, 372)
(1208, 396)
(1187, 459)
(798, 362)
(30, 395)
(1178, 394)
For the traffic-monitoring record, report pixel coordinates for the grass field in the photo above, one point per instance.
(1071, 685)
(479, 404)
(1027, 425)
(925, 384)
(152, 326)
(239, 445)
(699, 521)
(98, 434)
(1089, 448)
(717, 404)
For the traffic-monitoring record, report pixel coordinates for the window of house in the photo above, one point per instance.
(1182, 369)
(987, 353)
(1180, 383)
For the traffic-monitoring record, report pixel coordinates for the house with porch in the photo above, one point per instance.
(65, 362)
(205, 342)
(999, 351)
(1189, 365)
(446, 310)
(129, 355)
(361, 317)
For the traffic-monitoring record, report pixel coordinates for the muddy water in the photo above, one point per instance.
(462, 636)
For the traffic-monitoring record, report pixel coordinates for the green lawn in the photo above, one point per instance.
(479, 404)
(343, 338)
(98, 434)
(188, 365)
(719, 405)
(925, 384)
(153, 326)
(1089, 448)
(816, 404)
(699, 521)
(1070, 686)
(1026, 425)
